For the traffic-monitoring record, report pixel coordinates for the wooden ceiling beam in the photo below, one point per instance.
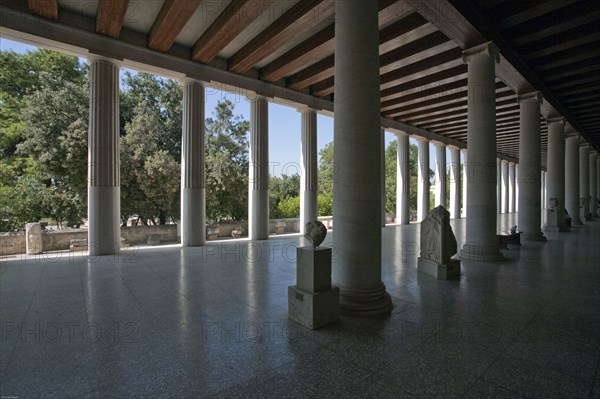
(298, 18)
(533, 12)
(110, 17)
(234, 19)
(44, 8)
(173, 16)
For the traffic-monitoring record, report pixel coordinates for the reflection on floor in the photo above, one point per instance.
(212, 322)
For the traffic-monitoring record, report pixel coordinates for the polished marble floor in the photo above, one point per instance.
(212, 322)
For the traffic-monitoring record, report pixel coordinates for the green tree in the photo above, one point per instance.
(281, 188)
(148, 186)
(289, 207)
(327, 170)
(226, 164)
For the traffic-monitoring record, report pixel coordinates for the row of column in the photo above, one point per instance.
(423, 187)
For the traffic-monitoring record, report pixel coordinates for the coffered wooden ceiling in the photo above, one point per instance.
(552, 45)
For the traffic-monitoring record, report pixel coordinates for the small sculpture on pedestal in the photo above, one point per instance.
(438, 245)
(313, 302)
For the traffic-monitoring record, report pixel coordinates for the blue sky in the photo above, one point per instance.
(284, 124)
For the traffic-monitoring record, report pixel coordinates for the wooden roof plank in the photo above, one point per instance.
(228, 25)
(173, 16)
(44, 8)
(110, 17)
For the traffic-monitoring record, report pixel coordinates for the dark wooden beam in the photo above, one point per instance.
(110, 16)
(173, 16)
(313, 49)
(563, 25)
(427, 94)
(44, 8)
(298, 18)
(534, 12)
(315, 73)
(228, 25)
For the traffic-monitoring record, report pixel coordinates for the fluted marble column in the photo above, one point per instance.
(555, 177)
(584, 182)
(308, 162)
(511, 187)
(517, 187)
(356, 191)
(530, 158)
(423, 180)
(258, 196)
(543, 190)
(403, 179)
(481, 140)
(505, 187)
(455, 182)
(593, 184)
(465, 181)
(498, 186)
(193, 194)
(104, 203)
(383, 198)
(572, 179)
(440, 175)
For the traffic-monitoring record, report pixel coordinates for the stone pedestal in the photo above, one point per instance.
(33, 238)
(313, 302)
(552, 220)
(439, 271)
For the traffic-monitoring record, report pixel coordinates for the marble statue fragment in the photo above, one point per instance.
(315, 232)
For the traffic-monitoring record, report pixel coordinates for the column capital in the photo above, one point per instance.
(556, 119)
(96, 57)
(570, 134)
(419, 138)
(188, 80)
(488, 49)
(438, 143)
(504, 161)
(454, 147)
(255, 96)
(399, 133)
(305, 108)
(531, 97)
(511, 164)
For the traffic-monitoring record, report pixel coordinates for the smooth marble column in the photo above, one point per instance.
(455, 182)
(555, 176)
(530, 158)
(104, 202)
(543, 190)
(258, 196)
(505, 187)
(584, 182)
(481, 140)
(593, 184)
(403, 179)
(309, 166)
(511, 187)
(440, 175)
(572, 179)
(423, 180)
(465, 181)
(193, 188)
(357, 191)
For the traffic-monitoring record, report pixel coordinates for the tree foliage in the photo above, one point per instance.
(226, 154)
(280, 189)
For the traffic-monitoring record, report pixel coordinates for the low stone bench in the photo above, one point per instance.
(504, 240)
(80, 244)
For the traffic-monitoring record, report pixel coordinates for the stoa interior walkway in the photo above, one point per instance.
(212, 322)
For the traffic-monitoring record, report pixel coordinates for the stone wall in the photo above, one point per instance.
(57, 240)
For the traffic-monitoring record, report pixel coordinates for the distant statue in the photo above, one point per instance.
(315, 232)
(437, 239)
(513, 230)
(553, 203)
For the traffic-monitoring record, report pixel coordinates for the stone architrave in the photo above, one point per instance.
(438, 245)
(313, 302)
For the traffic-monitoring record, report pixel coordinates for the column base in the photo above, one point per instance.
(481, 253)
(576, 222)
(536, 236)
(365, 303)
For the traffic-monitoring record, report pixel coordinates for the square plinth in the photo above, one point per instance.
(313, 309)
(439, 271)
(313, 269)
